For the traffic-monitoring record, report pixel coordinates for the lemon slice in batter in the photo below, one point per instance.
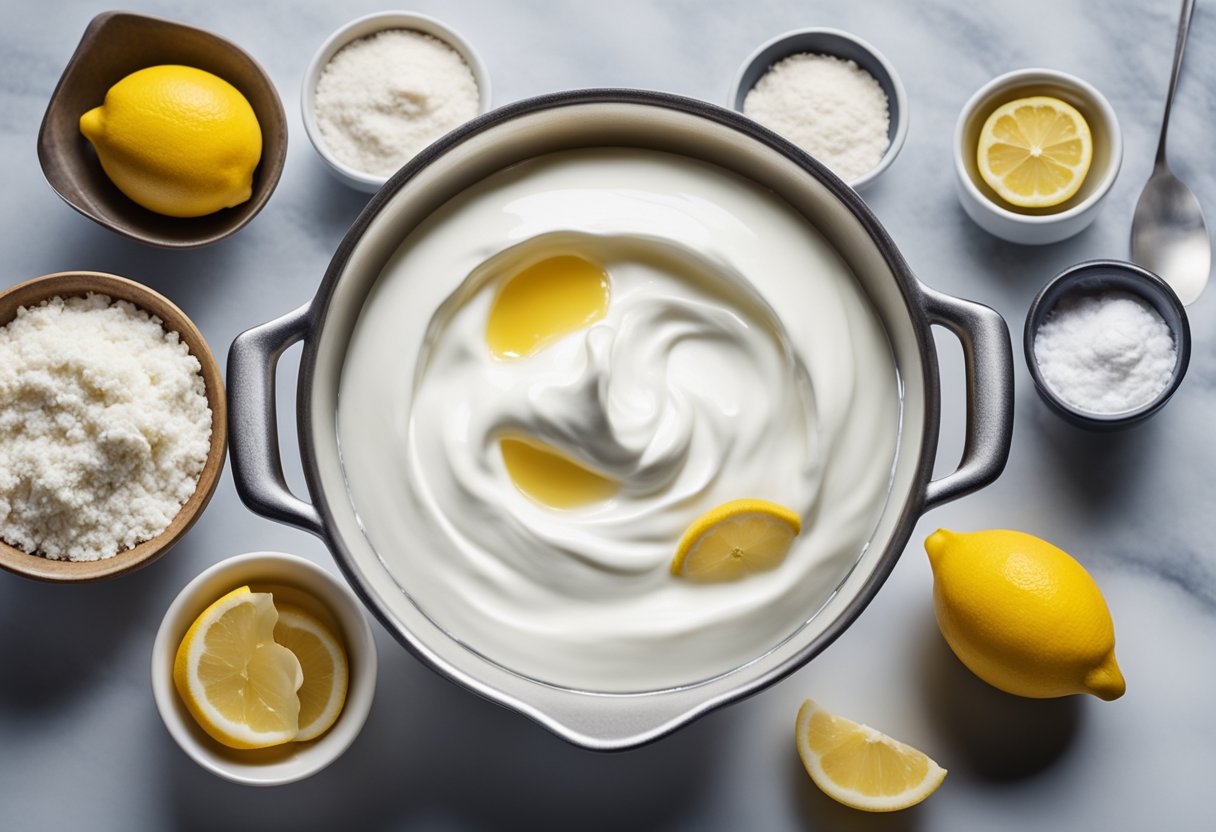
(736, 538)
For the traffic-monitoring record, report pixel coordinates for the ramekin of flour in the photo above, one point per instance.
(1107, 344)
(831, 94)
(383, 87)
(113, 426)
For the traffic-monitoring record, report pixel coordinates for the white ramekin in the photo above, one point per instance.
(1044, 226)
(362, 27)
(292, 761)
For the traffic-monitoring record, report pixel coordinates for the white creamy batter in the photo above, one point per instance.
(737, 358)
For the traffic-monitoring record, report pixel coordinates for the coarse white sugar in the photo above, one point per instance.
(384, 97)
(830, 107)
(1105, 353)
(104, 427)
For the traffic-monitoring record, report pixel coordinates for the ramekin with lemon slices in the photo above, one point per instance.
(1080, 202)
(304, 594)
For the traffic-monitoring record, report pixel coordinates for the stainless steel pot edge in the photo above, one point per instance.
(985, 338)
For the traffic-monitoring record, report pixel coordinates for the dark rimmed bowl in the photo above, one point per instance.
(76, 284)
(114, 45)
(1094, 277)
(838, 44)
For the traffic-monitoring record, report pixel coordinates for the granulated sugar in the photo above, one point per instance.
(104, 428)
(1107, 353)
(830, 107)
(384, 97)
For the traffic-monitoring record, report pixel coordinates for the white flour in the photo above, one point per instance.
(384, 97)
(104, 428)
(830, 107)
(1106, 353)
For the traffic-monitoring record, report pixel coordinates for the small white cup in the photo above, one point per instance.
(308, 585)
(362, 27)
(1043, 225)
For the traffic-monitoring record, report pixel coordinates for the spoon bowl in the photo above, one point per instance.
(1170, 236)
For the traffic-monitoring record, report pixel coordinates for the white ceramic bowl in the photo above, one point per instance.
(306, 585)
(1042, 225)
(362, 27)
(839, 44)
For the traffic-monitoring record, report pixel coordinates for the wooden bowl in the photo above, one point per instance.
(69, 284)
(114, 45)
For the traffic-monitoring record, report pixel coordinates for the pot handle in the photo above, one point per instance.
(989, 359)
(253, 437)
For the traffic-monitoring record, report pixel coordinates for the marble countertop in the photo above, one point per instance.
(82, 747)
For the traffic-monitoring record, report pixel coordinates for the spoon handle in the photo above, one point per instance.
(1184, 28)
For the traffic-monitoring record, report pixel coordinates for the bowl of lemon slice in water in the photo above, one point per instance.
(1036, 151)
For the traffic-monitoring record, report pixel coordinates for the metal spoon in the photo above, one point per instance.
(1169, 235)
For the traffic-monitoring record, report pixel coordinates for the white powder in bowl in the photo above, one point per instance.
(384, 97)
(1105, 353)
(830, 107)
(104, 428)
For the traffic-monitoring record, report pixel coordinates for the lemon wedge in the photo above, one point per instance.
(1035, 152)
(855, 765)
(323, 660)
(236, 681)
(736, 538)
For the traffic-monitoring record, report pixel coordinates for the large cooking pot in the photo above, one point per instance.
(907, 309)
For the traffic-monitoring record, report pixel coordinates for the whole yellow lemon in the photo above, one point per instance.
(1023, 615)
(177, 140)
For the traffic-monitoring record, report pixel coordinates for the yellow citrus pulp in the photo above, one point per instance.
(734, 539)
(860, 767)
(1035, 152)
(1023, 615)
(177, 140)
(323, 661)
(239, 684)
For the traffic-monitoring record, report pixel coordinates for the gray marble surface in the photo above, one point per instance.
(81, 745)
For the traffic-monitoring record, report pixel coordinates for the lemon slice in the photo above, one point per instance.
(323, 661)
(236, 681)
(1035, 152)
(855, 765)
(736, 538)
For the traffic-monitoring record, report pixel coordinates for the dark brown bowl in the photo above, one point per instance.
(114, 45)
(71, 284)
